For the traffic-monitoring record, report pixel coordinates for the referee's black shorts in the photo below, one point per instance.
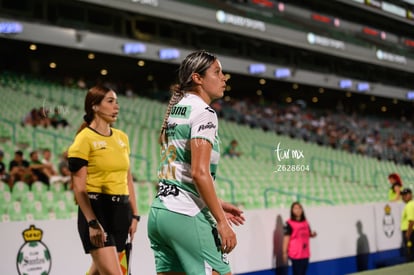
(114, 214)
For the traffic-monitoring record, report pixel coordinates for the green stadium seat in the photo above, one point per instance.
(16, 211)
(20, 186)
(69, 197)
(57, 187)
(61, 210)
(5, 217)
(5, 199)
(19, 190)
(39, 188)
(29, 197)
(48, 200)
(37, 210)
(4, 187)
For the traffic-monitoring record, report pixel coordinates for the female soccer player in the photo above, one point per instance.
(189, 227)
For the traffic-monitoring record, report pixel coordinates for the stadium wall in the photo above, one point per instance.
(368, 233)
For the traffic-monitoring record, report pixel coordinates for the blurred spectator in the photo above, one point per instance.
(50, 170)
(217, 106)
(81, 83)
(64, 169)
(19, 169)
(129, 92)
(40, 171)
(396, 185)
(4, 176)
(231, 149)
(57, 119)
(37, 117)
(43, 114)
(389, 139)
(31, 118)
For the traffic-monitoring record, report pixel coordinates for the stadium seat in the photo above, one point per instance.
(4, 186)
(57, 187)
(5, 201)
(5, 198)
(16, 211)
(37, 210)
(68, 197)
(5, 217)
(19, 190)
(48, 200)
(20, 186)
(28, 197)
(61, 210)
(39, 188)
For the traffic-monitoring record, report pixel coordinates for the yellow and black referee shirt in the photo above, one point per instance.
(107, 158)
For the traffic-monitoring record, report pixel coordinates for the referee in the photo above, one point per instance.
(102, 183)
(407, 224)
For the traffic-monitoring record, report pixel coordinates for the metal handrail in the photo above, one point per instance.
(147, 163)
(231, 183)
(13, 127)
(297, 195)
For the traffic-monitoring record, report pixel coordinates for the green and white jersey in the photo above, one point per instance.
(189, 119)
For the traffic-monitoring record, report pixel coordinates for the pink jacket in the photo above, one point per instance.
(298, 247)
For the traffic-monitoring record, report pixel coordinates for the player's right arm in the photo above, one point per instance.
(97, 235)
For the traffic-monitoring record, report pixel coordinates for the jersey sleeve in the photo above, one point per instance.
(410, 211)
(80, 148)
(76, 163)
(287, 229)
(205, 125)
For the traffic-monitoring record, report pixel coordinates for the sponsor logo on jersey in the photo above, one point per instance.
(100, 144)
(180, 111)
(209, 125)
(93, 196)
(171, 129)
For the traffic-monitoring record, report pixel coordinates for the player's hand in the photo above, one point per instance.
(97, 236)
(133, 228)
(233, 214)
(227, 237)
(285, 258)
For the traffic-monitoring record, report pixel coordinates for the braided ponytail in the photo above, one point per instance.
(177, 95)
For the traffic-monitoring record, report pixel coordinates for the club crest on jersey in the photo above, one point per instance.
(121, 143)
